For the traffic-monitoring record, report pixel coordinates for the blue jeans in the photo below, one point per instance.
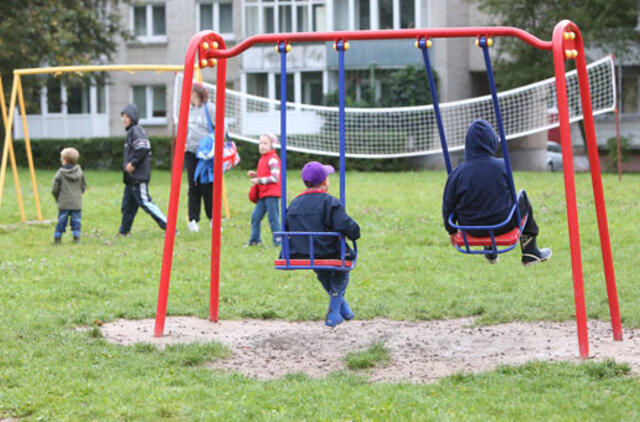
(265, 205)
(63, 217)
(334, 282)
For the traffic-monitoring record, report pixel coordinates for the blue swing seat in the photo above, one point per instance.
(463, 241)
(312, 263)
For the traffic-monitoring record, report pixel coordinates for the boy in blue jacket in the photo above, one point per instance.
(314, 210)
(136, 168)
(478, 193)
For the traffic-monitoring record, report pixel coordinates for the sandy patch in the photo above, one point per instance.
(420, 351)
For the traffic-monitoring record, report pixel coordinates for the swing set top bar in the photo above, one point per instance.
(385, 34)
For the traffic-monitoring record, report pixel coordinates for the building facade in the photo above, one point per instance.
(163, 28)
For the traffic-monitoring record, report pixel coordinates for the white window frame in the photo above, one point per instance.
(146, 116)
(149, 38)
(227, 36)
(260, 5)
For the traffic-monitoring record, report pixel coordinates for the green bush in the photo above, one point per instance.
(106, 154)
(625, 148)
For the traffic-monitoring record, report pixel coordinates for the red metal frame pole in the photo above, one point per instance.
(569, 183)
(176, 179)
(214, 292)
(598, 192)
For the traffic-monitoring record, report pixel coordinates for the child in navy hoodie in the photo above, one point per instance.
(314, 210)
(136, 171)
(478, 193)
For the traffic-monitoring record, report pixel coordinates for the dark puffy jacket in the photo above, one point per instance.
(478, 190)
(137, 149)
(317, 211)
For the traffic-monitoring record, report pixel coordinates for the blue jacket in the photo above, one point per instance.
(478, 190)
(317, 211)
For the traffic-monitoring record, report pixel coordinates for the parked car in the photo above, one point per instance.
(554, 159)
(554, 156)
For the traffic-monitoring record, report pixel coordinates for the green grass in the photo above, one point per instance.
(49, 370)
(374, 355)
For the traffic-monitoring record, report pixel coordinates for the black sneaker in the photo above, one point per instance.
(491, 257)
(530, 252)
(539, 255)
(57, 240)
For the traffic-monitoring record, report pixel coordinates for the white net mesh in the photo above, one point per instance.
(410, 131)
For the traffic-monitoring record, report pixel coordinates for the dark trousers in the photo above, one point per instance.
(529, 229)
(334, 282)
(198, 192)
(75, 223)
(133, 197)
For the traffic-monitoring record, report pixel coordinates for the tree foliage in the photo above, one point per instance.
(36, 33)
(610, 26)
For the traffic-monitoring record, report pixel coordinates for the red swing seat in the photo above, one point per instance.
(505, 239)
(316, 263)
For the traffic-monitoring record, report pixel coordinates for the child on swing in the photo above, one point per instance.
(314, 210)
(478, 192)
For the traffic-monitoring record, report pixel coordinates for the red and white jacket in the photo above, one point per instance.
(269, 175)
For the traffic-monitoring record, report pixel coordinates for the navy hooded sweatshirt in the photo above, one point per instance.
(477, 190)
(137, 149)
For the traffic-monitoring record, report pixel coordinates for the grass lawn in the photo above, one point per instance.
(406, 271)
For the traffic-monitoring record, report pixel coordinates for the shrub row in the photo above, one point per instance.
(106, 154)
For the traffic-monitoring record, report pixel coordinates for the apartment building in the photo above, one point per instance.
(162, 29)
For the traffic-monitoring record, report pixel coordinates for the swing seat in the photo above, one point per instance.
(505, 239)
(491, 242)
(337, 264)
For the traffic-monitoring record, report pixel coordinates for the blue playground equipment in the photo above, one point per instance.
(285, 262)
(463, 240)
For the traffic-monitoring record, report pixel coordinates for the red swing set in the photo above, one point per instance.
(566, 44)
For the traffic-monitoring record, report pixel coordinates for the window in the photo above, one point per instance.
(385, 14)
(151, 102)
(149, 23)
(630, 93)
(363, 15)
(217, 16)
(268, 16)
(290, 93)
(312, 88)
(407, 14)
(78, 99)
(54, 96)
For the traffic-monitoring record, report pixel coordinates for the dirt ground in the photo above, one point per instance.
(421, 352)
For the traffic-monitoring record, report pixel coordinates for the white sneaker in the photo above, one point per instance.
(193, 226)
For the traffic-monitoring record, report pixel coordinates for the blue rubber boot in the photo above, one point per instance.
(345, 310)
(333, 315)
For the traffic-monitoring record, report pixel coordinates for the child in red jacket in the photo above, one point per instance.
(267, 177)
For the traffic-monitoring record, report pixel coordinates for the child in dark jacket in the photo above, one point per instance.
(478, 193)
(67, 188)
(267, 177)
(314, 210)
(136, 168)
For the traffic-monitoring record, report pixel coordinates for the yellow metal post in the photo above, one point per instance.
(12, 156)
(27, 145)
(7, 136)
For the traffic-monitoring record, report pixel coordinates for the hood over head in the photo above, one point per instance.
(132, 111)
(481, 140)
(71, 172)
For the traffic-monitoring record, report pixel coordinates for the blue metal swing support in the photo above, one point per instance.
(313, 263)
(484, 43)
